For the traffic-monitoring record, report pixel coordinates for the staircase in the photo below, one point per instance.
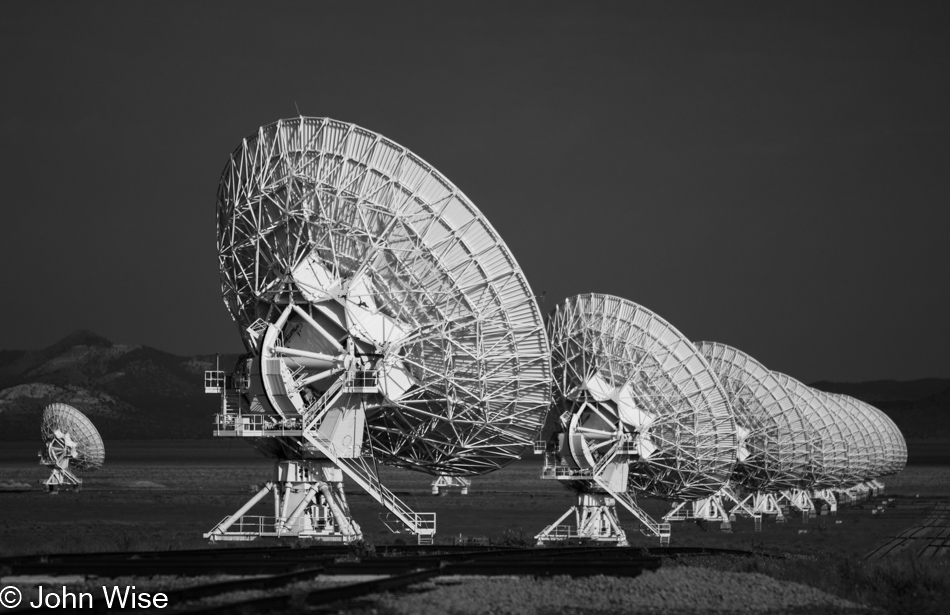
(364, 475)
(313, 414)
(360, 471)
(230, 401)
(660, 530)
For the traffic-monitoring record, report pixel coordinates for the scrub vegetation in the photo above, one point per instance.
(898, 585)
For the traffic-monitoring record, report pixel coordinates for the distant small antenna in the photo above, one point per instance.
(298, 109)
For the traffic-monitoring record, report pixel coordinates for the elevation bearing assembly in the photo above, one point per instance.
(385, 321)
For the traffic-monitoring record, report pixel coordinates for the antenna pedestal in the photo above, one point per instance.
(827, 496)
(595, 518)
(60, 478)
(799, 499)
(713, 508)
(61, 449)
(451, 482)
(764, 503)
(705, 509)
(857, 493)
(308, 503)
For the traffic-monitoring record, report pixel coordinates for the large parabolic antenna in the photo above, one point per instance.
(70, 443)
(384, 319)
(895, 455)
(873, 445)
(639, 413)
(775, 437)
(857, 436)
(885, 451)
(796, 444)
(828, 462)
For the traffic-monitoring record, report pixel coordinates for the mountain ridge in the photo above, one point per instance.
(128, 391)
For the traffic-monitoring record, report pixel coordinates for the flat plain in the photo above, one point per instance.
(165, 494)
(162, 495)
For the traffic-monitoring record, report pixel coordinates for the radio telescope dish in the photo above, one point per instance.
(71, 442)
(384, 317)
(829, 458)
(895, 446)
(640, 412)
(774, 437)
(888, 452)
(857, 437)
(829, 461)
(875, 433)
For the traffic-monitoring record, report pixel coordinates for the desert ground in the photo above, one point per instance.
(159, 495)
(165, 494)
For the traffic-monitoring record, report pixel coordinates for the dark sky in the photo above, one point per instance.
(773, 176)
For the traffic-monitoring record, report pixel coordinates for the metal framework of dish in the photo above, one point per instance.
(774, 438)
(70, 443)
(639, 412)
(385, 321)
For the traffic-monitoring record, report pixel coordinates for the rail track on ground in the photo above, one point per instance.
(929, 538)
(353, 572)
